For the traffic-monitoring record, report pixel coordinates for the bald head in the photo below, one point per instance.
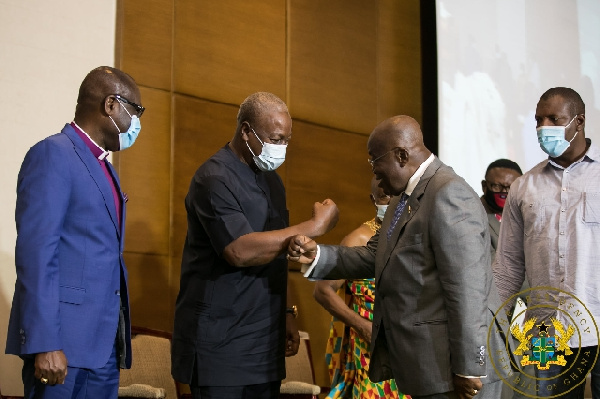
(258, 104)
(399, 131)
(102, 82)
(397, 150)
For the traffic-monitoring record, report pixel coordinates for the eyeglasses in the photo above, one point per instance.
(498, 188)
(372, 161)
(138, 108)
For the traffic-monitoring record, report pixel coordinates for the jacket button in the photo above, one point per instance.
(117, 292)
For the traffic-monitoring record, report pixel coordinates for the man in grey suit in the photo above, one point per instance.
(431, 262)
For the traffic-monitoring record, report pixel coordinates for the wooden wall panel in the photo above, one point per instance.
(225, 50)
(146, 41)
(342, 66)
(399, 59)
(201, 128)
(313, 319)
(333, 63)
(145, 173)
(152, 304)
(327, 163)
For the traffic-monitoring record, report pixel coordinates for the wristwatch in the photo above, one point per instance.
(293, 310)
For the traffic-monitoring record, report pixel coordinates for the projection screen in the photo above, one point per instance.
(495, 59)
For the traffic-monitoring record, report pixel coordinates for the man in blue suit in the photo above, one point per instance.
(70, 313)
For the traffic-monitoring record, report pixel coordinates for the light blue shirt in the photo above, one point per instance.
(550, 232)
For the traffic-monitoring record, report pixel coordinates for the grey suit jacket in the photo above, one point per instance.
(494, 227)
(433, 286)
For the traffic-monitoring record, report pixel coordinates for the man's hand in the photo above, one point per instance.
(51, 367)
(466, 388)
(302, 249)
(292, 337)
(325, 215)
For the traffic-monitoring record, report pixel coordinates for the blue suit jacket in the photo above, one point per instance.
(71, 277)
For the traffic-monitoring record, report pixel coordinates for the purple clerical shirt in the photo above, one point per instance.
(101, 154)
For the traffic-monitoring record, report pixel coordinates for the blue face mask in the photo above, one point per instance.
(381, 211)
(127, 139)
(552, 139)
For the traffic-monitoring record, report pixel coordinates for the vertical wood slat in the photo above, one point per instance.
(342, 66)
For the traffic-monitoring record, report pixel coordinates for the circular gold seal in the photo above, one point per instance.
(550, 342)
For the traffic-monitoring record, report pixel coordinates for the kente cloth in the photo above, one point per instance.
(347, 354)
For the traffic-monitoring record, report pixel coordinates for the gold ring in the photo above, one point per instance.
(44, 380)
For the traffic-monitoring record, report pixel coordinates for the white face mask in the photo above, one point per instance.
(271, 157)
(381, 211)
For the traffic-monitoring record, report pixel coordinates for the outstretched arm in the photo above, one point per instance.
(258, 248)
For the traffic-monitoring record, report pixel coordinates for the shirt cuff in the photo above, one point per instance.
(307, 269)
(471, 376)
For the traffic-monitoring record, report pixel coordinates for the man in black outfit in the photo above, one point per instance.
(232, 323)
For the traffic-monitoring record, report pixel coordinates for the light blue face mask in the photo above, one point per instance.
(127, 138)
(271, 156)
(381, 211)
(552, 139)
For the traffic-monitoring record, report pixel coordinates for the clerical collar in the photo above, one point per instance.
(98, 151)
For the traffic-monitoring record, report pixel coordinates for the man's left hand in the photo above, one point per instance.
(466, 388)
(292, 337)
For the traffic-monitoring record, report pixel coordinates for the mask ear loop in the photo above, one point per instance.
(248, 145)
(576, 131)
(571, 121)
(121, 104)
(261, 142)
(114, 123)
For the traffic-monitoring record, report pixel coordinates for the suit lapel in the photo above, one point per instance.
(410, 210)
(120, 226)
(96, 173)
(382, 242)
